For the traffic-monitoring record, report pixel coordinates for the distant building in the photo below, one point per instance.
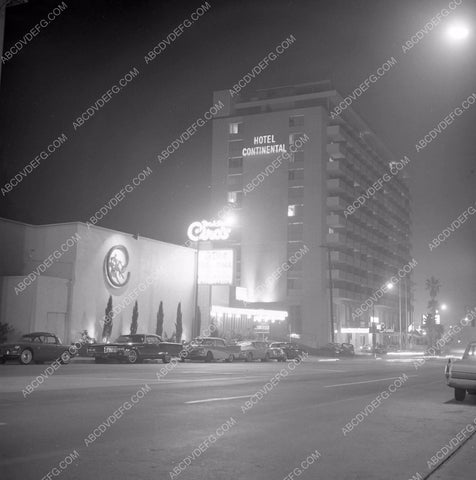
(292, 210)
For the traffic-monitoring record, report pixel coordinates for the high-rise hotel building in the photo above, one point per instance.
(292, 214)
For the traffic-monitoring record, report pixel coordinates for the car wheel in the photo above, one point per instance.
(249, 357)
(133, 357)
(460, 394)
(166, 358)
(65, 358)
(266, 357)
(209, 357)
(26, 357)
(231, 358)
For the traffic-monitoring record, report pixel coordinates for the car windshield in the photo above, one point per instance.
(130, 339)
(203, 341)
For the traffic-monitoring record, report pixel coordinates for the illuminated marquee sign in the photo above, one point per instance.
(263, 145)
(204, 231)
(215, 267)
(115, 266)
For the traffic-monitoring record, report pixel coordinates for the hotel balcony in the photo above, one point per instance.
(336, 151)
(335, 133)
(336, 203)
(338, 239)
(342, 258)
(336, 221)
(344, 294)
(336, 185)
(338, 169)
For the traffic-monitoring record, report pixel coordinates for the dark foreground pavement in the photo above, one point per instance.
(298, 414)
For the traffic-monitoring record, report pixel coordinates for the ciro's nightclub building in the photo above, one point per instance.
(286, 240)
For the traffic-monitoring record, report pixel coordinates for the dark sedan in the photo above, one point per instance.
(330, 350)
(134, 349)
(36, 347)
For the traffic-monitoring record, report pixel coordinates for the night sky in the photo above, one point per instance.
(86, 50)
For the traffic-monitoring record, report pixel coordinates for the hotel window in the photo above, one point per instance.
(294, 136)
(297, 157)
(235, 197)
(234, 179)
(296, 120)
(236, 128)
(296, 174)
(296, 192)
(235, 162)
(235, 148)
(295, 212)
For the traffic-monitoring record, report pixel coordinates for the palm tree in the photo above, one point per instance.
(135, 316)
(198, 321)
(433, 285)
(108, 316)
(160, 320)
(178, 324)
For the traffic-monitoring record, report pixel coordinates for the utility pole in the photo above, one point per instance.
(331, 296)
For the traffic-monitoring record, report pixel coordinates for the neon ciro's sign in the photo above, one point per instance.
(205, 230)
(115, 266)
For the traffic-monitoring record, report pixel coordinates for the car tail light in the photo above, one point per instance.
(448, 369)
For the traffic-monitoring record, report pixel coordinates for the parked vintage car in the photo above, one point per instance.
(461, 374)
(290, 349)
(276, 353)
(209, 349)
(378, 349)
(36, 347)
(258, 350)
(330, 350)
(347, 350)
(134, 349)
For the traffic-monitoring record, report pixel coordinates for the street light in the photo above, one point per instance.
(390, 287)
(457, 32)
(444, 306)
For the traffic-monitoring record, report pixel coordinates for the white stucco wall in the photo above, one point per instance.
(172, 265)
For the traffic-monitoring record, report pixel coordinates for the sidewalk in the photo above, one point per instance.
(461, 466)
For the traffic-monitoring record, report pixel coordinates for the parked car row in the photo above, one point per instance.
(42, 347)
(336, 350)
(209, 349)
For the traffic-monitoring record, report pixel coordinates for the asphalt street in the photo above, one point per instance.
(299, 410)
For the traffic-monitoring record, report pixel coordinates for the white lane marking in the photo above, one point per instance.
(210, 379)
(366, 381)
(219, 399)
(1, 424)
